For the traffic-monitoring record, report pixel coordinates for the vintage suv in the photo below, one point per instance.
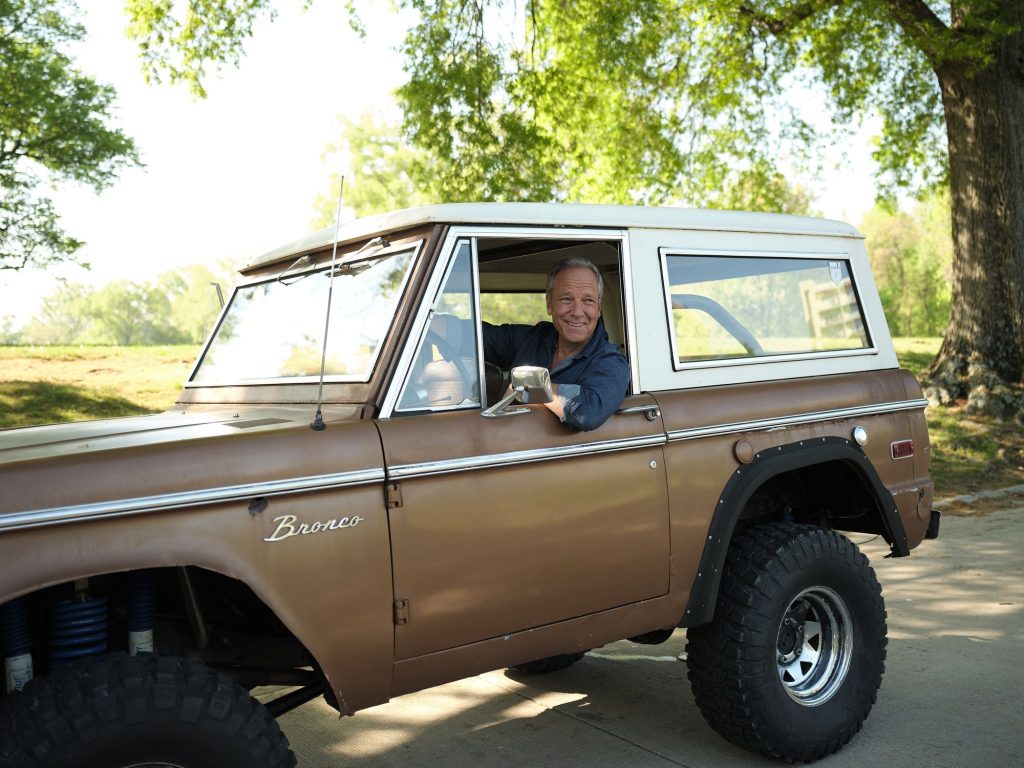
(342, 503)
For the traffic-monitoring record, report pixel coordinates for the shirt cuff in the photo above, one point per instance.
(566, 394)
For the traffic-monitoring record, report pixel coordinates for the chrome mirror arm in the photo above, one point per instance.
(500, 409)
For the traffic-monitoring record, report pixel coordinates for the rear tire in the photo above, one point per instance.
(791, 664)
(118, 710)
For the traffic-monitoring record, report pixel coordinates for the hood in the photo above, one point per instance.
(53, 440)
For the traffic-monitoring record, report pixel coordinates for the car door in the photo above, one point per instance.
(501, 525)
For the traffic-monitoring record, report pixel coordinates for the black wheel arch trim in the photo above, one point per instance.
(748, 478)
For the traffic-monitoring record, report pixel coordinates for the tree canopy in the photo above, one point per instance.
(645, 101)
(179, 307)
(54, 126)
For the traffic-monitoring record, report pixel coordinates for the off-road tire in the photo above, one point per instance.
(762, 674)
(119, 710)
(549, 664)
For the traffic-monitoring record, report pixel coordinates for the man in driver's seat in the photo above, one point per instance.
(589, 375)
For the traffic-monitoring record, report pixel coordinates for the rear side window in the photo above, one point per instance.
(746, 308)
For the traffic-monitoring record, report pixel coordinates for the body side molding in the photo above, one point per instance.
(36, 518)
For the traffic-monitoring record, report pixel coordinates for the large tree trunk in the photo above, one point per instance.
(982, 354)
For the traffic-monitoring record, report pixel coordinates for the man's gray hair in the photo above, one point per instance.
(575, 262)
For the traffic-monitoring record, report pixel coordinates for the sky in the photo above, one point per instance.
(235, 175)
(227, 177)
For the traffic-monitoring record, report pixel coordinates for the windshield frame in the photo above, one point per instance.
(318, 264)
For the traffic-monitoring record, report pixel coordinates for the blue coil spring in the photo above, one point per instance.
(15, 638)
(78, 628)
(141, 600)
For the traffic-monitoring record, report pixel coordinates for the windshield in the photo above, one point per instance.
(275, 329)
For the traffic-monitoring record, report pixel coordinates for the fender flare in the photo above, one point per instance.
(748, 478)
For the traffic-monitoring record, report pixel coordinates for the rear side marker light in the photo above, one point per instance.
(901, 449)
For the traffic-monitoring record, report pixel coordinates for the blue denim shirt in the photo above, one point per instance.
(592, 382)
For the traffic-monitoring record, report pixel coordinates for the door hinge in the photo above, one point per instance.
(402, 611)
(393, 495)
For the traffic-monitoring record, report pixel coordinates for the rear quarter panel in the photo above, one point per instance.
(709, 408)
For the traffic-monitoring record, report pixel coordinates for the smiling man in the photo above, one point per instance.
(588, 373)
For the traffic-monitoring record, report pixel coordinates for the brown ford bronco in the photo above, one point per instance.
(344, 503)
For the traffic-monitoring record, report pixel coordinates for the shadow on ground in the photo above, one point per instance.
(23, 403)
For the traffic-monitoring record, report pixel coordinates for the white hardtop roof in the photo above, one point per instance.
(559, 215)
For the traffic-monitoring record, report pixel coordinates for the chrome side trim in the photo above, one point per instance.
(782, 422)
(160, 503)
(489, 461)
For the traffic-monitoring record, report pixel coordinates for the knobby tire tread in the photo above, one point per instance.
(726, 656)
(54, 716)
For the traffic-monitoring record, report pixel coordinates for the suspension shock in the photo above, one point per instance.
(15, 644)
(78, 628)
(141, 611)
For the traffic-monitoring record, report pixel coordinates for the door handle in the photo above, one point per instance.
(650, 412)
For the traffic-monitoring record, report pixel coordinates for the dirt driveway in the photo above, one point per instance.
(953, 693)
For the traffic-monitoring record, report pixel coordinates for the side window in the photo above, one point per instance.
(445, 372)
(736, 307)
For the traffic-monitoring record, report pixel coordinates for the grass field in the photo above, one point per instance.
(969, 453)
(41, 385)
(45, 385)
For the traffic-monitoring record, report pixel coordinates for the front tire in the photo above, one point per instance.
(119, 710)
(791, 664)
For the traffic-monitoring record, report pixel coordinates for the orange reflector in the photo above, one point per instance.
(901, 449)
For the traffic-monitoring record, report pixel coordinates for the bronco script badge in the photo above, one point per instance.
(287, 528)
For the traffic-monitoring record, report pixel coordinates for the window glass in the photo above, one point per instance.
(445, 372)
(725, 307)
(275, 329)
(521, 308)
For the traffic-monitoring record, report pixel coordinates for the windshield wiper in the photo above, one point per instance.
(360, 261)
(308, 258)
(353, 266)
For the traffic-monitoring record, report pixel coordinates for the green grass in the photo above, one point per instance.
(45, 385)
(916, 354)
(969, 452)
(42, 385)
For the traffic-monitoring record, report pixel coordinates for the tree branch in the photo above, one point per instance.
(929, 33)
(916, 18)
(779, 26)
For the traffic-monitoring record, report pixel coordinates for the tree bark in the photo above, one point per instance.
(982, 354)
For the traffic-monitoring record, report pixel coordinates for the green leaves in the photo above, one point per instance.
(652, 101)
(655, 101)
(639, 101)
(30, 231)
(386, 174)
(54, 126)
(179, 307)
(911, 257)
(182, 39)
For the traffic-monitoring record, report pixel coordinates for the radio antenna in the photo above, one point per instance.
(318, 419)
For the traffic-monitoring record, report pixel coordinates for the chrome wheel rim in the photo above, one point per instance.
(814, 646)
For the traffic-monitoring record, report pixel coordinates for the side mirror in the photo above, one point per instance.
(530, 384)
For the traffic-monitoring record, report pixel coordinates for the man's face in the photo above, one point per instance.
(574, 305)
